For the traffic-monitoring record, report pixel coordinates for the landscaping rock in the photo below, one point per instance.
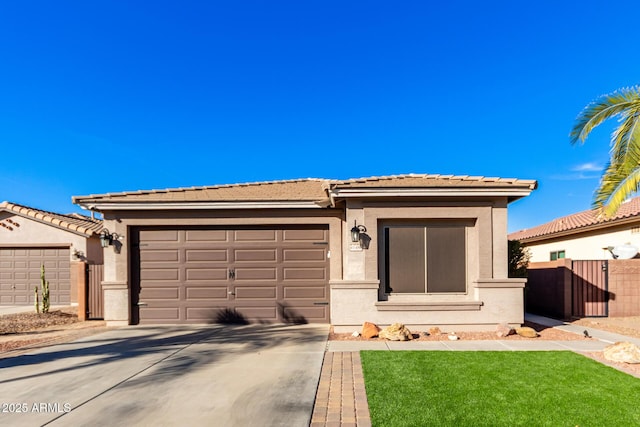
(625, 352)
(396, 332)
(453, 337)
(504, 330)
(527, 332)
(435, 331)
(370, 330)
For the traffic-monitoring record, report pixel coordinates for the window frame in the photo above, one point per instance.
(555, 255)
(384, 269)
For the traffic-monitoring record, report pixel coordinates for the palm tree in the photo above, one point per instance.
(622, 174)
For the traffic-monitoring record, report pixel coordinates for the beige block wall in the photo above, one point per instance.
(585, 246)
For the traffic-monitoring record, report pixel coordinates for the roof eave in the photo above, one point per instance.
(511, 193)
(100, 206)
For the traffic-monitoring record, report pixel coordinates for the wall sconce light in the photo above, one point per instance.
(356, 231)
(106, 238)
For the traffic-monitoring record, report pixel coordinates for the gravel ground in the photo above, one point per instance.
(544, 333)
(22, 331)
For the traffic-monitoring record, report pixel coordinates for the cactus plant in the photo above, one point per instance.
(37, 303)
(45, 291)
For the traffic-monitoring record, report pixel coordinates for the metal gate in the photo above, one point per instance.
(590, 288)
(95, 275)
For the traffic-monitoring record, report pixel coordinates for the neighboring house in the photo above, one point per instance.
(584, 235)
(30, 238)
(422, 250)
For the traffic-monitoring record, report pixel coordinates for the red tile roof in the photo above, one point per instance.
(74, 223)
(577, 222)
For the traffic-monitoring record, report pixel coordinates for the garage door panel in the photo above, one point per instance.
(206, 273)
(219, 255)
(160, 274)
(159, 255)
(310, 235)
(168, 293)
(151, 236)
(263, 312)
(255, 235)
(160, 314)
(202, 314)
(211, 292)
(304, 255)
(213, 236)
(255, 274)
(302, 292)
(304, 274)
(255, 292)
(255, 255)
(308, 313)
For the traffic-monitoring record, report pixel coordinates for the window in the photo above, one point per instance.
(425, 258)
(556, 255)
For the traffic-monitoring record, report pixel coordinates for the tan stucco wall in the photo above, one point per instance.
(492, 298)
(587, 245)
(35, 233)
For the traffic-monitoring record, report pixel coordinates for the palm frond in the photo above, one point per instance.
(618, 183)
(601, 109)
(626, 134)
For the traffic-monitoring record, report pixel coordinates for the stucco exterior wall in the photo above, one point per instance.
(585, 246)
(355, 290)
(490, 299)
(35, 233)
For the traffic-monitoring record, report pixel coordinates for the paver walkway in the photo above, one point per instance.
(341, 399)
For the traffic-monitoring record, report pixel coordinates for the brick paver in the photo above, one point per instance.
(341, 399)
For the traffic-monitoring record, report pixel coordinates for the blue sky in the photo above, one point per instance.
(109, 96)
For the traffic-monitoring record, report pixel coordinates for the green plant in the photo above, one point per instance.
(45, 291)
(37, 303)
(519, 257)
(622, 174)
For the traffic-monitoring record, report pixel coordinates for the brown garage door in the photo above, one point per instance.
(264, 274)
(20, 274)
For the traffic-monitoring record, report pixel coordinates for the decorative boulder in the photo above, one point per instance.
(504, 330)
(526, 332)
(396, 332)
(625, 352)
(370, 330)
(435, 331)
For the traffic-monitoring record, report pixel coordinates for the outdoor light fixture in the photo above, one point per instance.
(356, 230)
(106, 238)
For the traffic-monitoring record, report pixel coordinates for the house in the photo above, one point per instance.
(584, 235)
(30, 238)
(423, 250)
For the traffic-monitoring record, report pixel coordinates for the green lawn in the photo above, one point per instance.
(555, 388)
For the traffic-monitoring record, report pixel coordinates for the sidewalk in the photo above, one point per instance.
(341, 398)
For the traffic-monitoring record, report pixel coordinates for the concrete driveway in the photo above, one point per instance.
(255, 375)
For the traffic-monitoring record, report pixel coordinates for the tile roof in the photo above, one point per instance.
(309, 189)
(577, 222)
(433, 181)
(74, 223)
(291, 190)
